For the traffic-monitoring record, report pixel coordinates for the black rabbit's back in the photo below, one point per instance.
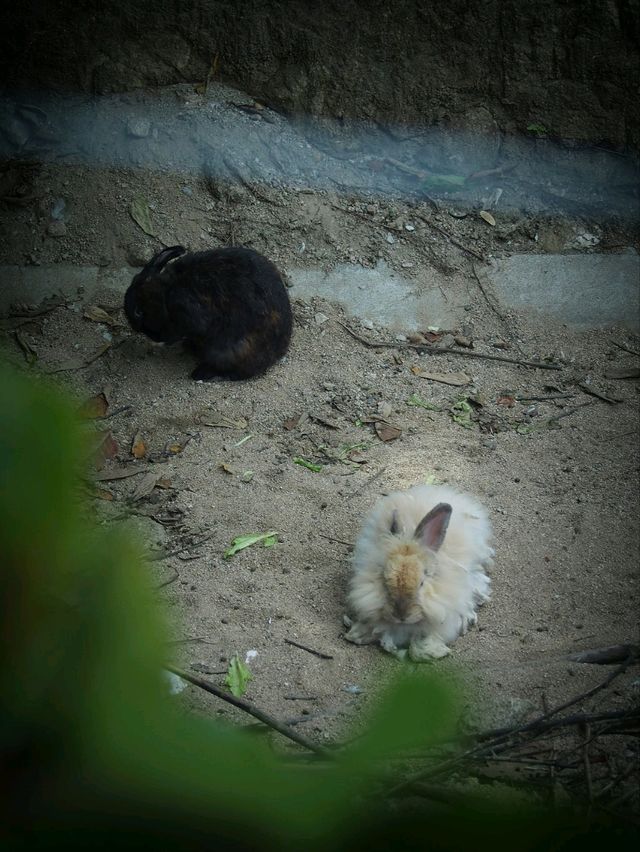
(230, 304)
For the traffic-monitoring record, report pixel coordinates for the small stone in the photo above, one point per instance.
(447, 341)
(490, 442)
(461, 340)
(366, 323)
(409, 227)
(56, 228)
(401, 338)
(320, 318)
(406, 264)
(390, 239)
(139, 128)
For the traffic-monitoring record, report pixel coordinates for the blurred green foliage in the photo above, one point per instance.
(94, 751)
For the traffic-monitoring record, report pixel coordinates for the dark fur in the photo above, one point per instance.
(229, 305)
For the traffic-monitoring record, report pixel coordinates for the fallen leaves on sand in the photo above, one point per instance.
(316, 468)
(238, 676)
(141, 215)
(242, 541)
(138, 447)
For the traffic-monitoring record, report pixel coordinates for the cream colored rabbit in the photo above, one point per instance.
(419, 571)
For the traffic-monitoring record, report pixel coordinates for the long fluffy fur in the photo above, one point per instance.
(455, 581)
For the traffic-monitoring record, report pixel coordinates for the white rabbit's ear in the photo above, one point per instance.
(395, 523)
(433, 527)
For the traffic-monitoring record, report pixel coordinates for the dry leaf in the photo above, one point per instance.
(433, 336)
(138, 447)
(456, 379)
(103, 494)
(145, 486)
(291, 423)
(386, 432)
(163, 482)
(488, 218)
(507, 401)
(96, 314)
(141, 215)
(105, 448)
(226, 468)
(95, 406)
(175, 448)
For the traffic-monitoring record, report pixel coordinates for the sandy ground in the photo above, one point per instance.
(559, 476)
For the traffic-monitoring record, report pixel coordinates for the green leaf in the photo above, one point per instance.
(141, 215)
(238, 676)
(417, 402)
(316, 468)
(461, 414)
(240, 542)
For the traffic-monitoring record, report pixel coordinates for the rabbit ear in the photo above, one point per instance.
(432, 528)
(395, 523)
(163, 257)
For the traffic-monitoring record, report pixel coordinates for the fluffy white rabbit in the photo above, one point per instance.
(419, 571)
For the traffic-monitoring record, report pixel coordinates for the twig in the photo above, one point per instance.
(585, 388)
(300, 697)
(606, 656)
(249, 708)
(543, 398)
(566, 412)
(447, 350)
(489, 301)
(320, 654)
(337, 540)
(626, 348)
(157, 557)
(487, 741)
(369, 481)
(114, 413)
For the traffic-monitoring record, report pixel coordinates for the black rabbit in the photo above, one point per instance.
(229, 305)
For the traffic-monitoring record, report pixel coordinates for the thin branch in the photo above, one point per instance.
(626, 348)
(490, 302)
(447, 350)
(320, 654)
(605, 656)
(249, 708)
(157, 557)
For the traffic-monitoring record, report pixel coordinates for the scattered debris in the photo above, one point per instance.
(141, 215)
(455, 379)
(316, 468)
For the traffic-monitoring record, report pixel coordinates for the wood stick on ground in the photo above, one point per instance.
(605, 656)
(626, 348)
(252, 710)
(487, 741)
(320, 654)
(491, 302)
(424, 348)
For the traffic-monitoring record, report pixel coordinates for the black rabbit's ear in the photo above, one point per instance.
(163, 257)
(433, 527)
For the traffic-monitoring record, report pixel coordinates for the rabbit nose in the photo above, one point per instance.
(401, 608)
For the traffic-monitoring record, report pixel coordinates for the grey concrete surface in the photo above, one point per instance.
(584, 291)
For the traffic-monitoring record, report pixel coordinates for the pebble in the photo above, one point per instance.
(139, 128)
(409, 227)
(406, 264)
(401, 338)
(56, 228)
(390, 239)
(366, 323)
(320, 318)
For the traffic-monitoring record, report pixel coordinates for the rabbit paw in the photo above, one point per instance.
(387, 644)
(430, 648)
(359, 634)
